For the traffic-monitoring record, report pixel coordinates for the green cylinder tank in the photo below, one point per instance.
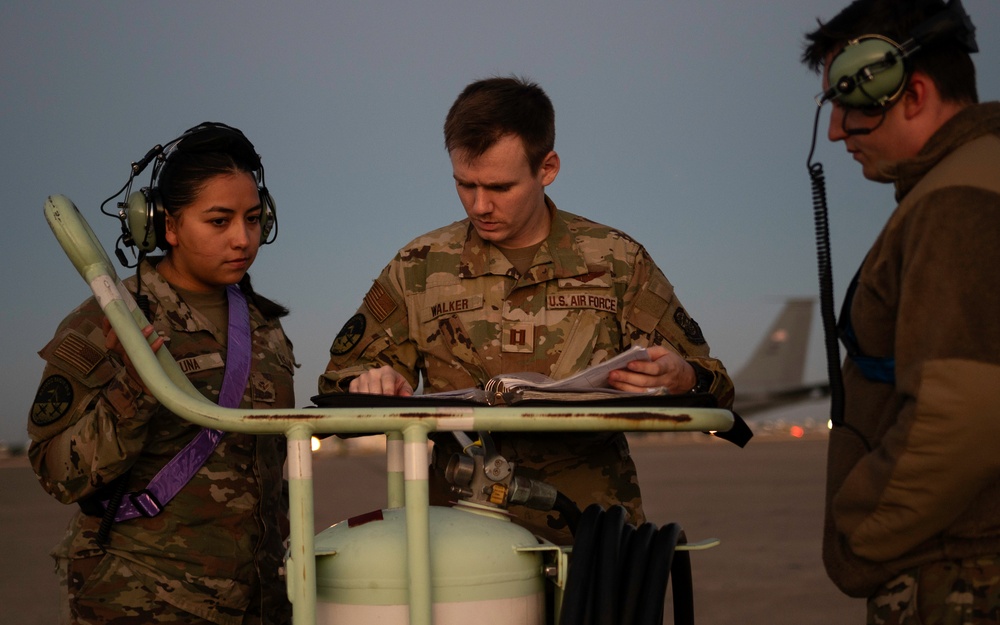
(478, 574)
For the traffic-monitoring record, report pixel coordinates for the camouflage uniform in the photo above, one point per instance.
(452, 308)
(946, 592)
(214, 552)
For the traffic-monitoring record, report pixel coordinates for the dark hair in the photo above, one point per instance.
(269, 308)
(945, 60)
(203, 153)
(490, 109)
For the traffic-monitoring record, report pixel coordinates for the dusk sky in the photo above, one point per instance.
(685, 123)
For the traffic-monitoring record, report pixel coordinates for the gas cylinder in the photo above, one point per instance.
(478, 573)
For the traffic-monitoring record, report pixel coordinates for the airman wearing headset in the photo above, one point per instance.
(177, 524)
(913, 489)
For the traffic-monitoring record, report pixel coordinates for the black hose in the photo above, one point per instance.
(568, 510)
(619, 573)
(683, 585)
(575, 604)
(654, 584)
(609, 544)
(633, 570)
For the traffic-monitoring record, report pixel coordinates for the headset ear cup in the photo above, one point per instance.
(869, 71)
(268, 216)
(159, 219)
(141, 213)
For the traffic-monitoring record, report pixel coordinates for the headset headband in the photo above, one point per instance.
(209, 137)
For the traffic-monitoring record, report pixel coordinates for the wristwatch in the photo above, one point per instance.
(703, 379)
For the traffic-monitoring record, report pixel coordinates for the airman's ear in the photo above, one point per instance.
(170, 229)
(549, 168)
(917, 95)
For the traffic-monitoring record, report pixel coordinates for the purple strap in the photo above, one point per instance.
(171, 479)
(238, 350)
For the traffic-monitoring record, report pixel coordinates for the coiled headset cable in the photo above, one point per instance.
(825, 267)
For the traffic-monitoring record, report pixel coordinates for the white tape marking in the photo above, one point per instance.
(394, 456)
(416, 461)
(460, 424)
(104, 290)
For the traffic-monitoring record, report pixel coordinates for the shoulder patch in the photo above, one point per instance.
(80, 353)
(52, 401)
(349, 335)
(379, 302)
(690, 327)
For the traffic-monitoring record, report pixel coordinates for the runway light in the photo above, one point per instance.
(797, 431)
(315, 444)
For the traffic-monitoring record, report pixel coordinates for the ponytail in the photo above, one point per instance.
(270, 309)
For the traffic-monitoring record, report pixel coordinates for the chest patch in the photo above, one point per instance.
(592, 301)
(203, 362)
(263, 388)
(456, 305)
(518, 337)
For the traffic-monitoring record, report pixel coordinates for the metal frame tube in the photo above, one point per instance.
(418, 542)
(300, 569)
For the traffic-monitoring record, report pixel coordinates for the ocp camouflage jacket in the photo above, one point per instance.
(91, 423)
(451, 308)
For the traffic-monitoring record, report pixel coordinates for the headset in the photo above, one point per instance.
(871, 71)
(142, 214)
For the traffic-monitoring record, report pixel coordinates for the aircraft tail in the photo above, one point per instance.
(777, 364)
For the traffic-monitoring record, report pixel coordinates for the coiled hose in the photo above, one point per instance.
(619, 572)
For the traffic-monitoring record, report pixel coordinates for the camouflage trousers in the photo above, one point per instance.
(947, 592)
(101, 590)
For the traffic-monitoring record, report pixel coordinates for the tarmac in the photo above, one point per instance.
(764, 502)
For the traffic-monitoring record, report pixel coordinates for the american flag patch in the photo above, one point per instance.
(379, 303)
(80, 353)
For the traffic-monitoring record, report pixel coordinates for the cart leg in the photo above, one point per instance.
(301, 568)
